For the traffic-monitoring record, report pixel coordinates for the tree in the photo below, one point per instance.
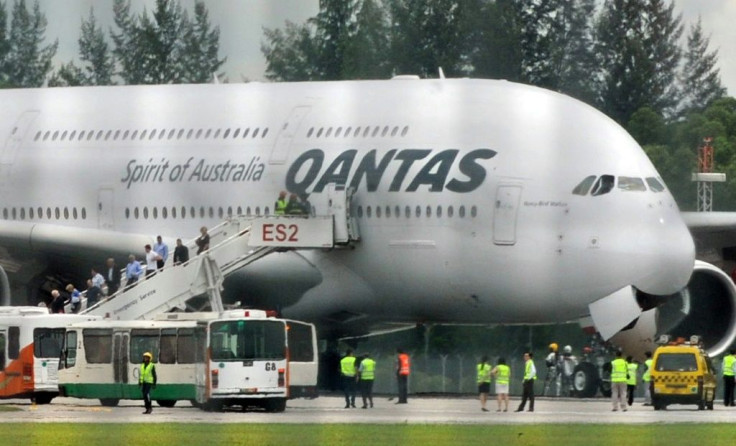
(639, 54)
(365, 52)
(335, 27)
(700, 79)
(95, 53)
(201, 44)
(27, 62)
(572, 58)
(494, 50)
(291, 54)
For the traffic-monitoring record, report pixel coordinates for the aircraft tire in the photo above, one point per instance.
(109, 402)
(585, 380)
(166, 403)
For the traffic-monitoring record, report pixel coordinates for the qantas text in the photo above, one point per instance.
(433, 170)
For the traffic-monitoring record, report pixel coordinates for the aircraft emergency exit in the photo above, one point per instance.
(477, 201)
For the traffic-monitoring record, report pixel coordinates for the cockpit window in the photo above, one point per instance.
(584, 186)
(604, 185)
(655, 185)
(631, 184)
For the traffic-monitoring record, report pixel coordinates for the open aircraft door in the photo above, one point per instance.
(505, 214)
(105, 198)
(280, 150)
(12, 144)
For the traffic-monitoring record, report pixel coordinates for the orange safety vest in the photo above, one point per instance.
(403, 364)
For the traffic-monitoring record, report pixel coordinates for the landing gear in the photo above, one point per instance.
(585, 380)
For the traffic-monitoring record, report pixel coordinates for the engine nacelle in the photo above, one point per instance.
(707, 308)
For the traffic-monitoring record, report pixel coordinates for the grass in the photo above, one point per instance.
(59, 434)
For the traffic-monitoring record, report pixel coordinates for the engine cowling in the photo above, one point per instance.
(706, 307)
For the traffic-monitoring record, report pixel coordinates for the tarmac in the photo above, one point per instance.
(330, 409)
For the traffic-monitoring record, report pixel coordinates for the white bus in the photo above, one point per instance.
(239, 357)
(30, 343)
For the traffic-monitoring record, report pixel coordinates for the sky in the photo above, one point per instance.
(241, 25)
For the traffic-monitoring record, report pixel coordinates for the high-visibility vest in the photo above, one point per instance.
(648, 373)
(503, 374)
(484, 373)
(528, 370)
(618, 371)
(369, 367)
(403, 364)
(347, 366)
(280, 208)
(728, 361)
(632, 368)
(146, 375)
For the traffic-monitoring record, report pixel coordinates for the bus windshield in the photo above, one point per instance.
(47, 342)
(248, 340)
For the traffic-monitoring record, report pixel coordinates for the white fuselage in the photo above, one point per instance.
(464, 188)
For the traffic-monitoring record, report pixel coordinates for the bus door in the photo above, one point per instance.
(120, 360)
(201, 365)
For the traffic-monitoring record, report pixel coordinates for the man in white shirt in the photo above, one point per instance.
(152, 259)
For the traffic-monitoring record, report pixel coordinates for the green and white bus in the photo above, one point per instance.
(236, 358)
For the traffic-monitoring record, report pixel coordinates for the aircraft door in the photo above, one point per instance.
(280, 150)
(120, 357)
(105, 208)
(13, 142)
(505, 212)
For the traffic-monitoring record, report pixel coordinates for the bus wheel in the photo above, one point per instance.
(166, 403)
(196, 404)
(213, 406)
(275, 404)
(43, 398)
(109, 402)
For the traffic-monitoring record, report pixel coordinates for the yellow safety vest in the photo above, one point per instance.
(648, 373)
(728, 365)
(632, 368)
(347, 366)
(618, 371)
(280, 207)
(504, 373)
(484, 373)
(528, 370)
(369, 367)
(146, 375)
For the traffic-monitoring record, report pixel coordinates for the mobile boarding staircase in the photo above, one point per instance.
(234, 243)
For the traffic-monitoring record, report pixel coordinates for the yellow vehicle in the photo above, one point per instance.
(682, 373)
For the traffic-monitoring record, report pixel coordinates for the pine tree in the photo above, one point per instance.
(700, 78)
(335, 27)
(291, 54)
(201, 45)
(129, 50)
(27, 62)
(572, 56)
(366, 52)
(494, 49)
(95, 53)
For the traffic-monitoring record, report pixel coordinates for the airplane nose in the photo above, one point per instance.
(673, 250)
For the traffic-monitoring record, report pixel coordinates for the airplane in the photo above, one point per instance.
(478, 201)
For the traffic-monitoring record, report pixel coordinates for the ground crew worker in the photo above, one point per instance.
(280, 206)
(402, 375)
(530, 375)
(728, 377)
(632, 367)
(553, 371)
(647, 378)
(147, 380)
(502, 372)
(618, 382)
(347, 371)
(367, 371)
(484, 381)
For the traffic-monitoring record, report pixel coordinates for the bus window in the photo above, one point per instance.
(97, 345)
(13, 342)
(2, 351)
(248, 340)
(70, 354)
(300, 342)
(200, 342)
(142, 341)
(168, 346)
(47, 342)
(185, 347)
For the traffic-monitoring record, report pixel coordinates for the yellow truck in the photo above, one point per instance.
(682, 373)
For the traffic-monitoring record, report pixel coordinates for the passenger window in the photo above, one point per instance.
(584, 186)
(155, 212)
(603, 185)
(144, 340)
(655, 185)
(167, 355)
(631, 184)
(360, 211)
(265, 132)
(407, 212)
(473, 211)
(368, 211)
(461, 211)
(70, 349)
(378, 211)
(309, 133)
(13, 342)
(439, 211)
(136, 213)
(145, 212)
(2, 351)
(450, 211)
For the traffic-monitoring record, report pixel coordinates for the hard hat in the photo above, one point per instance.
(147, 354)
(567, 349)
(553, 346)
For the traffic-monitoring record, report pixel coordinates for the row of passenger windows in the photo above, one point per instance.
(97, 135)
(380, 211)
(357, 132)
(51, 213)
(605, 184)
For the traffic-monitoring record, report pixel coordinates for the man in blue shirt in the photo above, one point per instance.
(162, 250)
(133, 270)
